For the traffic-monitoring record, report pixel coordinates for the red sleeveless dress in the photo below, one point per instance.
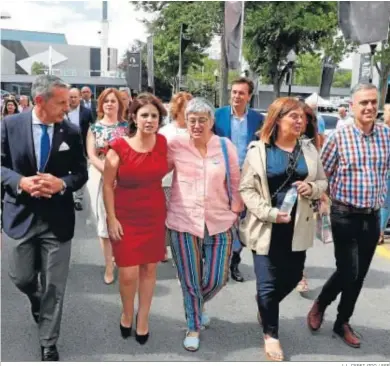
(140, 203)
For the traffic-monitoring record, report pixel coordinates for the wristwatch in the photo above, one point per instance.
(64, 187)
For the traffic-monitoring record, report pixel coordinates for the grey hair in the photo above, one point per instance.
(363, 86)
(44, 84)
(125, 89)
(199, 105)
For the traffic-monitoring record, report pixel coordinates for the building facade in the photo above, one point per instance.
(25, 54)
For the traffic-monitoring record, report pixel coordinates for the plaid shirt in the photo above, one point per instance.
(357, 165)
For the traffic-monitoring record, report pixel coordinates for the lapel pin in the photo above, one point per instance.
(61, 130)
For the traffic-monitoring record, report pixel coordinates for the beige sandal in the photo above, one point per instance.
(273, 350)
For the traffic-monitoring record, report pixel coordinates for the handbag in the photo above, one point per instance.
(236, 240)
(324, 228)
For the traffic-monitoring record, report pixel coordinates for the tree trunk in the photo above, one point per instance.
(223, 73)
(276, 83)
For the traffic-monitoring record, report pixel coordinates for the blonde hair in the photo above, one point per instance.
(178, 103)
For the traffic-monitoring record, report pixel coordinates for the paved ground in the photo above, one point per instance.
(90, 327)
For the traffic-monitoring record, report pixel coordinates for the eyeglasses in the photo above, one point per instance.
(201, 121)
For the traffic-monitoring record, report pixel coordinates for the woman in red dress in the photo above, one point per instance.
(136, 210)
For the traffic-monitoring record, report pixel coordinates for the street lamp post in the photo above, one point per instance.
(291, 58)
(216, 74)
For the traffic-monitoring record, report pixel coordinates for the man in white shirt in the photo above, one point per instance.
(81, 117)
(344, 120)
(24, 104)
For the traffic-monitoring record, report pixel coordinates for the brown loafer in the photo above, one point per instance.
(315, 317)
(347, 335)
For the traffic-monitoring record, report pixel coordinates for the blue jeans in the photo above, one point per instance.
(277, 274)
(385, 210)
(237, 245)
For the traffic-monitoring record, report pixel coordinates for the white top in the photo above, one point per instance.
(169, 131)
(342, 122)
(74, 116)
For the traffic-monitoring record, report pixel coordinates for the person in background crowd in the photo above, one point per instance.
(310, 131)
(356, 160)
(201, 214)
(110, 125)
(320, 123)
(279, 240)
(344, 119)
(177, 127)
(385, 210)
(88, 102)
(10, 107)
(38, 207)
(239, 123)
(81, 117)
(136, 210)
(126, 100)
(24, 104)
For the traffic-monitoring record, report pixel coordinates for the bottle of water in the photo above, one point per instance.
(289, 200)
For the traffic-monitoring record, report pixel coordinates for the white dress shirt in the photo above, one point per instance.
(37, 133)
(74, 116)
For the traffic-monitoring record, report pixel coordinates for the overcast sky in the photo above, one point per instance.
(80, 21)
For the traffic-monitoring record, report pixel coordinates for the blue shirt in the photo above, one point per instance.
(278, 161)
(37, 133)
(239, 135)
(320, 124)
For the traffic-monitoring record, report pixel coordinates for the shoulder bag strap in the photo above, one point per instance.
(227, 166)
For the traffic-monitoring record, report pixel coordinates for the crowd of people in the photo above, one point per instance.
(208, 184)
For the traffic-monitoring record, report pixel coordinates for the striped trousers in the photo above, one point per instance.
(203, 269)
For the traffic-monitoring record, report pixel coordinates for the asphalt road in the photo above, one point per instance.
(90, 323)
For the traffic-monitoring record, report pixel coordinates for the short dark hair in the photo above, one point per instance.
(246, 81)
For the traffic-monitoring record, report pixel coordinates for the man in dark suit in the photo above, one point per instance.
(42, 164)
(88, 102)
(81, 117)
(240, 124)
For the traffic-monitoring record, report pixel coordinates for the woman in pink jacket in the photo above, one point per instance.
(203, 208)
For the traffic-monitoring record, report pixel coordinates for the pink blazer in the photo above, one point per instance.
(199, 193)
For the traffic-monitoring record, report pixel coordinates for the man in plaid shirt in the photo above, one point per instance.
(356, 160)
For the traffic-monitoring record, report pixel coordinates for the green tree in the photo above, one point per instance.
(272, 29)
(200, 18)
(308, 70)
(201, 80)
(161, 88)
(342, 78)
(38, 68)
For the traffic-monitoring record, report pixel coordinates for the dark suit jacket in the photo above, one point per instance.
(18, 160)
(86, 120)
(222, 126)
(93, 109)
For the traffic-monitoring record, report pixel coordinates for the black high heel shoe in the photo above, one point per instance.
(141, 339)
(125, 332)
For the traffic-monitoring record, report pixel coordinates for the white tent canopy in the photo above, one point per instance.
(316, 99)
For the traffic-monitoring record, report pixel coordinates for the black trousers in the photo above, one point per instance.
(355, 239)
(277, 274)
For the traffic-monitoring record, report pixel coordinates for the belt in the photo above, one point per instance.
(340, 206)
